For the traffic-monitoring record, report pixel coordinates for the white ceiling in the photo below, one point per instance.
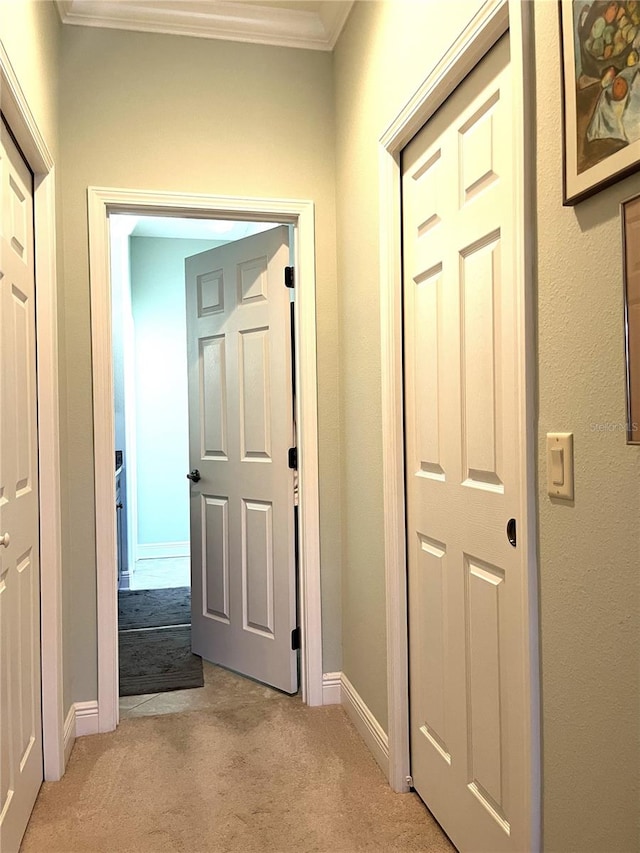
(310, 24)
(183, 227)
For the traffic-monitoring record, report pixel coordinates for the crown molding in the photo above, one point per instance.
(218, 19)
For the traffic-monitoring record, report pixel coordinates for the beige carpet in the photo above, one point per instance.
(267, 774)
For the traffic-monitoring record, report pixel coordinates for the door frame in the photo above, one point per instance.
(119, 247)
(26, 132)
(493, 19)
(300, 213)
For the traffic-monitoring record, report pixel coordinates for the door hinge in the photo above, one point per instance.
(295, 639)
(289, 277)
(293, 458)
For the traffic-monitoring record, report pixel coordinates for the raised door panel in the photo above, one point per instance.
(210, 293)
(253, 281)
(28, 698)
(255, 395)
(478, 160)
(22, 374)
(480, 342)
(213, 398)
(429, 595)
(257, 567)
(426, 371)
(215, 557)
(487, 711)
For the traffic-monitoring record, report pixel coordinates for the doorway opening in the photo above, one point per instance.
(150, 389)
(152, 409)
(296, 218)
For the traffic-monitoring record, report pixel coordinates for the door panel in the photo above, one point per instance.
(215, 538)
(20, 691)
(241, 428)
(255, 395)
(467, 584)
(213, 398)
(257, 567)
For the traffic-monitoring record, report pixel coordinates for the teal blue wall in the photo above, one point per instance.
(158, 303)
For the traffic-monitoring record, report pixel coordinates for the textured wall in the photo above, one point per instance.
(150, 111)
(30, 33)
(589, 551)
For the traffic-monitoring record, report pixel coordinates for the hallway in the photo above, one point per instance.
(256, 772)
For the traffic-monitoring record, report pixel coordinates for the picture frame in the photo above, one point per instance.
(600, 63)
(630, 216)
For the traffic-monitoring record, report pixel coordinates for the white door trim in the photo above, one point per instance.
(120, 256)
(16, 110)
(493, 19)
(300, 214)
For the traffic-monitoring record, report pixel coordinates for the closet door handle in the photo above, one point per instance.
(5, 540)
(194, 476)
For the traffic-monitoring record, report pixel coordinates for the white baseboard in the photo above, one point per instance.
(87, 722)
(69, 735)
(158, 550)
(366, 724)
(331, 688)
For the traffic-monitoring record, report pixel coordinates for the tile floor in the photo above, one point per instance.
(222, 690)
(160, 573)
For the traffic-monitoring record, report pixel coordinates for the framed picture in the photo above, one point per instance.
(601, 93)
(631, 273)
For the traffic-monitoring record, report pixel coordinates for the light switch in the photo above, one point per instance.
(557, 466)
(560, 465)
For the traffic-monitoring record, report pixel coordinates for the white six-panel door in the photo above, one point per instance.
(240, 431)
(466, 585)
(20, 712)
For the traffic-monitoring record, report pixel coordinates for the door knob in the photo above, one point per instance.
(5, 540)
(194, 476)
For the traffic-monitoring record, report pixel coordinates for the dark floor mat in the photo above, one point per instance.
(155, 660)
(153, 608)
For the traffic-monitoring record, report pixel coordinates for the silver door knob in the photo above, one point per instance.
(5, 540)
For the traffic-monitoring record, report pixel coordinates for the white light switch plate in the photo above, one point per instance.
(560, 465)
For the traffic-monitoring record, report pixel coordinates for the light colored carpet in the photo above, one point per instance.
(259, 776)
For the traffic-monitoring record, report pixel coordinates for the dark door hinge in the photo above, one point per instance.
(295, 639)
(293, 458)
(289, 277)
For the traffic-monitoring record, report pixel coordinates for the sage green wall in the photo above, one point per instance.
(31, 33)
(589, 551)
(149, 111)
(588, 566)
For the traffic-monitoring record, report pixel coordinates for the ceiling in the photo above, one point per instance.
(309, 24)
(224, 231)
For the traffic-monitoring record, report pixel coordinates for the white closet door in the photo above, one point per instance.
(469, 665)
(20, 692)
